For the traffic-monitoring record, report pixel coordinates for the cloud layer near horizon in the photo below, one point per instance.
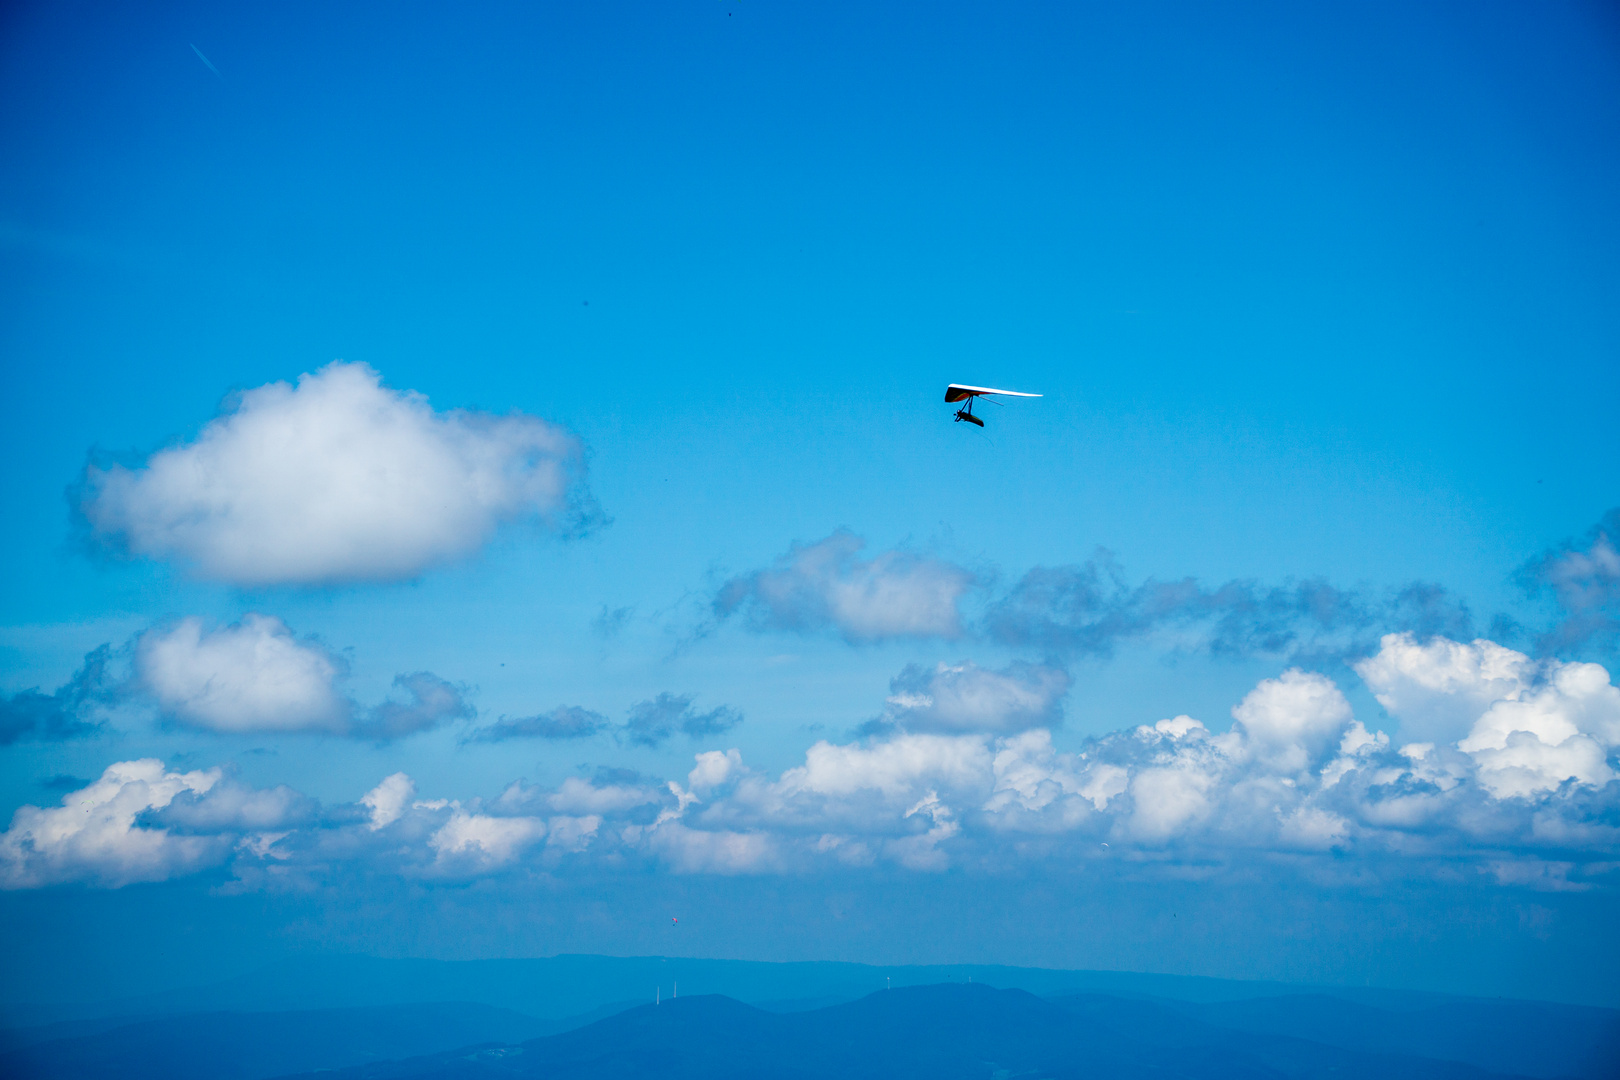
(337, 479)
(1516, 784)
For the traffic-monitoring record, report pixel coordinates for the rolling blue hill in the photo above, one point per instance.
(561, 986)
(247, 1046)
(593, 1015)
(944, 1032)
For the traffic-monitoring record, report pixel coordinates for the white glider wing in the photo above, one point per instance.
(958, 392)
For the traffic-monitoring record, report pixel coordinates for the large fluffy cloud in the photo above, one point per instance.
(1438, 688)
(1527, 726)
(1292, 722)
(255, 676)
(336, 479)
(828, 585)
(94, 836)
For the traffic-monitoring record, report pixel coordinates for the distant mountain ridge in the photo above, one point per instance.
(944, 1032)
(344, 1013)
(569, 984)
(250, 1046)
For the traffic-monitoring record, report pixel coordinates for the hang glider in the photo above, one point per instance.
(958, 392)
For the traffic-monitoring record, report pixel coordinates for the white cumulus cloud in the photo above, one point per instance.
(1293, 721)
(893, 768)
(336, 479)
(389, 800)
(1527, 795)
(1438, 688)
(483, 841)
(94, 835)
(1528, 726)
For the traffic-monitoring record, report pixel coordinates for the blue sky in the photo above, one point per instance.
(644, 314)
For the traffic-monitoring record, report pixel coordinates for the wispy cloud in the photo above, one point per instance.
(1090, 609)
(649, 723)
(652, 722)
(563, 722)
(966, 697)
(1087, 609)
(827, 585)
(429, 703)
(31, 716)
(1584, 579)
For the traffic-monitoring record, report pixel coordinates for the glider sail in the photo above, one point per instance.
(958, 392)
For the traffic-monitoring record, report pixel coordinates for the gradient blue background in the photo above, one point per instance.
(1310, 290)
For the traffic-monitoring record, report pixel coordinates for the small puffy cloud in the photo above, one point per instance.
(563, 722)
(894, 767)
(249, 676)
(336, 479)
(965, 697)
(389, 800)
(827, 585)
(255, 676)
(713, 769)
(652, 722)
(95, 836)
(712, 851)
(66, 714)
(484, 842)
(577, 796)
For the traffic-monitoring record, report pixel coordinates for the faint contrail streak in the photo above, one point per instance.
(205, 60)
